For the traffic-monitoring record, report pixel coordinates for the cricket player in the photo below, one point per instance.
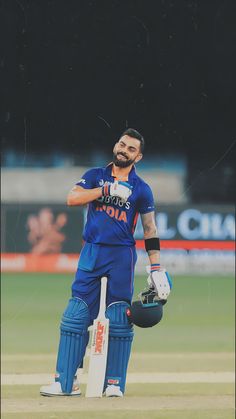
(115, 196)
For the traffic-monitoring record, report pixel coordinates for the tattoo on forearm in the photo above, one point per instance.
(153, 252)
(149, 226)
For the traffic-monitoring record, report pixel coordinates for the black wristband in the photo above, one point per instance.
(152, 244)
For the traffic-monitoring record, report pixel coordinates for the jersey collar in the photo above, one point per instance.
(131, 174)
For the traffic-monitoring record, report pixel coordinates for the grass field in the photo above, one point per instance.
(182, 368)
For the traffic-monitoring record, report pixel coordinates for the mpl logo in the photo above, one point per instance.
(99, 338)
(114, 381)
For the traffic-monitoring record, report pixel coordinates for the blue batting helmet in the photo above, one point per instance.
(145, 312)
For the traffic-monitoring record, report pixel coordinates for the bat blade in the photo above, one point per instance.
(98, 352)
(98, 358)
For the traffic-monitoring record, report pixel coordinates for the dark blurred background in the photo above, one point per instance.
(76, 73)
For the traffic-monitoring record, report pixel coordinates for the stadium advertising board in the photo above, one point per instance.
(49, 237)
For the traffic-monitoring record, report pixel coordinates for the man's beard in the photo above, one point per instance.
(122, 163)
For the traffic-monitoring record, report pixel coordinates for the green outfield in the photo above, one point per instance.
(182, 368)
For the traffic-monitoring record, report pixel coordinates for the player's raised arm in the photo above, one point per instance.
(81, 196)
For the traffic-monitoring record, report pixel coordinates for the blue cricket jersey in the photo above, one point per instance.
(109, 220)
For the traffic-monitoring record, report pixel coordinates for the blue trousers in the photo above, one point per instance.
(115, 262)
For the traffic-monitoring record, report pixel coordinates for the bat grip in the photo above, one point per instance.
(102, 308)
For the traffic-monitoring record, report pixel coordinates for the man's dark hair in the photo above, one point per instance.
(135, 134)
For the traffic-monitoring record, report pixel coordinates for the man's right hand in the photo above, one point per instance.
(120, 189)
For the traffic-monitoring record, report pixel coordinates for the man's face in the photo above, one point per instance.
(126, 151)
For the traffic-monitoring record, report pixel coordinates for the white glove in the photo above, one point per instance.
(160, 281)
(120, 189)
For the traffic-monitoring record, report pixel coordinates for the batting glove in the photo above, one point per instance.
(159, 280)
(120, 189)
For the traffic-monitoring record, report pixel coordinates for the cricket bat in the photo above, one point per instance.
(99, 347)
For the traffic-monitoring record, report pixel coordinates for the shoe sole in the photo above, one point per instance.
(60, 394)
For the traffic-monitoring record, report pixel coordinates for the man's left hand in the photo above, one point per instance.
(160, 281)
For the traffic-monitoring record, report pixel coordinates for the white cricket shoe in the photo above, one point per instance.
(54, 389)
(113, 391)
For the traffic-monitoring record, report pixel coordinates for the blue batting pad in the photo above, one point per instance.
(119, 346)
(73, 342)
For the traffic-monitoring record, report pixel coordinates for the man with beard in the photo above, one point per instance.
(115, 195)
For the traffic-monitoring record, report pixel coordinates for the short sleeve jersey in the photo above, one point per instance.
(109, 220)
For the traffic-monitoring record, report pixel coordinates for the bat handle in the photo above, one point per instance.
(102, 308)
